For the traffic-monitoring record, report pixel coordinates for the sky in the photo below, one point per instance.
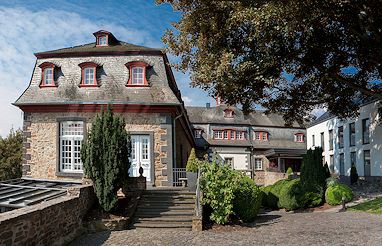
(27, 27)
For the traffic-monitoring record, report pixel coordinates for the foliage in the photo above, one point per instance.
(353, 174)
(287, 56)
(373, 206)
(248, 198)
(229, 192)
(331, 181)
(313, 174)
(289, 195)
(105, 156)
(269, 199)
(327, 171)
(334, 194)
(193, 162)
(218, 191)
(289, 171)
(11, 155)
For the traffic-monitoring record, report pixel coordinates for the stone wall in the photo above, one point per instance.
(53, 222)
(41, 140)
(268, 178)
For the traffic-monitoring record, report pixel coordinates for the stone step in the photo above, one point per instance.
(163, 226)
(167, 203)
(184, 219)
(169, 192)
(145, 214)
(167, 197)
(163, 207)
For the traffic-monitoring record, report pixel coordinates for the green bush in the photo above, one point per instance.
(331, 181)
(105, 156)
(269, 200)
(289, 171)
(218, 190)
(308, 198)
(353, 174)
(327, 171)
(313, 173)
(227, 192)
(11, 155)
(248, 198)
(334, 194)
(289, 195)
(193, 162)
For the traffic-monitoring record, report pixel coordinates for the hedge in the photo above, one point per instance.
(334, 194)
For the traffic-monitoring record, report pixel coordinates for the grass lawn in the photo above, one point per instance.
(373, 206)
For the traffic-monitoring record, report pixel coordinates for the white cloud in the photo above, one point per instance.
(24, 32)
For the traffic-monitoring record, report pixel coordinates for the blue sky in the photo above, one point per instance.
(27, 28)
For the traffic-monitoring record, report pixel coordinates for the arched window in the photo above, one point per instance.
(88, 74)
(47, 74)
(137, 71)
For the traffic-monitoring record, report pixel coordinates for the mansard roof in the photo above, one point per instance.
(215, 115)
(115, 48)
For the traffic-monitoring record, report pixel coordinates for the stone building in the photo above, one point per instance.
(69, 86)
(257, 144)
(355, 141)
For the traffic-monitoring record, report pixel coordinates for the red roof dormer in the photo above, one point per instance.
(104, 38)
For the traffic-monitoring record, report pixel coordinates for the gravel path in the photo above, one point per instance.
(273, 228)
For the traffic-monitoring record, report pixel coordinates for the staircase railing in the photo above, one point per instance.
(198, 200)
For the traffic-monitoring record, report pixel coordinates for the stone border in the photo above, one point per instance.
(54, 222)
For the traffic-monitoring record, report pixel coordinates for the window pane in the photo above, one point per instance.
(352, 134)
(341, 137)
(137, 76)
(48, 76)
(330, 139)
(89, 76)
(322, 141)
(71, 136)
(102, 40)
(365, 130)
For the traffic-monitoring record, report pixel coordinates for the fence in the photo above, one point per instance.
(179, 173)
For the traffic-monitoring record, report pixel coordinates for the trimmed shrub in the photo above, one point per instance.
(289, 195)
(331, 181)
(269, 200)
(334, 194)
(313, 173)
(248, 198)
(353, 174)
(289, 171)
(311, 198)
(193, 163)
(327, 171)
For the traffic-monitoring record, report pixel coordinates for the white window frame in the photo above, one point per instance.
(137, 76)
(71, 136)
(218, 134)
(48, 80)
(226, 161)
(265, 134)
(239, 135)
(233, 135)
(258, 164)
(102, 40)
(89, 80)
(299, 138)
(225, 135)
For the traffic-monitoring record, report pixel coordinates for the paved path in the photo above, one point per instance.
(274, 228)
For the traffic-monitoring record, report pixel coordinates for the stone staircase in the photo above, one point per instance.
(165, 209)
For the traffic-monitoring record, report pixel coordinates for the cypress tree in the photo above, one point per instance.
(313, 174)
(105, 156)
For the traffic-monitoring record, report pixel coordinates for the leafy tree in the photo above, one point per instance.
(11, 155)
(193, 162)
(288, 56)
(313, 174)
(105, 156)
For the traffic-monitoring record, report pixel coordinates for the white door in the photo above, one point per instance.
(140, 156)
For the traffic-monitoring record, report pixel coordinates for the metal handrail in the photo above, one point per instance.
(198, 204)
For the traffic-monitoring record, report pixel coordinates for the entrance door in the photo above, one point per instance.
(140, 156)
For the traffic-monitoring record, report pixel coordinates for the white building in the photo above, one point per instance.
(348, 141)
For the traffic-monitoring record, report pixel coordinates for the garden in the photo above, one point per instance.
(230, 197)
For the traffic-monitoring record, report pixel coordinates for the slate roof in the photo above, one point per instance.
(118, 46)
(215, 115)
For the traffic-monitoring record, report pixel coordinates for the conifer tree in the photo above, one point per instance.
(313, 174)
(193, 162)
(105, 156)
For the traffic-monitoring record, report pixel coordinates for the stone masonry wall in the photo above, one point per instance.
(41, 141)
(54, 222)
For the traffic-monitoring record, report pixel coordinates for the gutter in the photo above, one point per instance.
(174, 139)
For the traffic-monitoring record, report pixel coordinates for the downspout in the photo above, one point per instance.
(174, 143)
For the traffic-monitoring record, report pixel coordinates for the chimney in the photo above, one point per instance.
(208, 105)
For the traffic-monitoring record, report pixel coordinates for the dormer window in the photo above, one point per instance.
(137, 76)
(299, 137)
(198, 133)
(102, 40)
(228, 113)
(89, 71)
(47, 78)
(261, 136)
